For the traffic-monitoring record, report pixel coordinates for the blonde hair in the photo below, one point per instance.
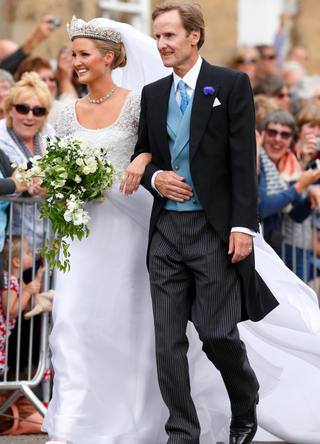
(264, 105)
(309, 114)
(15, 249)
(240, 52)
(120, 56)
(29, 84)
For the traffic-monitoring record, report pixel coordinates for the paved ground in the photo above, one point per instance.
(42, 439)
(24, 439)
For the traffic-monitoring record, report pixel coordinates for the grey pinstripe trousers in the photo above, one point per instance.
(192, 277)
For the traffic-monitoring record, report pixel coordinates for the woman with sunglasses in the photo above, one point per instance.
(247, 59)
(282, 183)
(26, 108)
(276, 88)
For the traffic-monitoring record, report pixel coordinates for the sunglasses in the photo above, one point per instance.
(49, 79)
(283, 95)
(242, 61)
(269, 57)
(38, 111)
(283, 134)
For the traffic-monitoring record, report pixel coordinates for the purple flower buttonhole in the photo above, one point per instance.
(208, 90)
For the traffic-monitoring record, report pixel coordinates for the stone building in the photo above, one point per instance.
(19, 18)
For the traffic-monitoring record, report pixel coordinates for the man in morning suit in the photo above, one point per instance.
(198, 124)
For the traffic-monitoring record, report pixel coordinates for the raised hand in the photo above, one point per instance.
(33, 287)
(306, 179)
(314, 197)
(308, 149)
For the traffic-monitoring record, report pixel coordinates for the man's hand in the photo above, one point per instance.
(43, 31)
(172, 186)
(240, 244)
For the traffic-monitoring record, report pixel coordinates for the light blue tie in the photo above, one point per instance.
(185, 99)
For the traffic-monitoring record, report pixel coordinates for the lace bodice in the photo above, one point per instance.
(121, 136)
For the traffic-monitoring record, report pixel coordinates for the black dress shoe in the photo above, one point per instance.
(243, 427)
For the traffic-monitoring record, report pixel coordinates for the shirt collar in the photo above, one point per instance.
(190, 78)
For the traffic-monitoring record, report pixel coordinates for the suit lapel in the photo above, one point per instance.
(202, 106)
(159, 102)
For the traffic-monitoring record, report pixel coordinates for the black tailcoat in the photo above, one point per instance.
(222, 162)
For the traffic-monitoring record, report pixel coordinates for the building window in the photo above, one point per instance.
(259, 20)
(135, 12)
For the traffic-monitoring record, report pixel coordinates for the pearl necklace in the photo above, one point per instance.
(103, 98)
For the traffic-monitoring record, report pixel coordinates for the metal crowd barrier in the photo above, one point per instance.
(26, 384)
(315, 283)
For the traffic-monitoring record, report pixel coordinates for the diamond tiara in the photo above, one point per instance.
(93, 30)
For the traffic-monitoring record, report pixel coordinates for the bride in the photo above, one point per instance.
(105, 386)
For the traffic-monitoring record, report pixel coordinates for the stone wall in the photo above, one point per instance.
(20, 17)
(306, 31)
(221, 29)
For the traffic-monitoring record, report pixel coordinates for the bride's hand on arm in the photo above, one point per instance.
(134, 172)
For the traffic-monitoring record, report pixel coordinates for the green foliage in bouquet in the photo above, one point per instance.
(73, 174)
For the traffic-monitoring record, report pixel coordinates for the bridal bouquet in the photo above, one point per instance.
(73, 174)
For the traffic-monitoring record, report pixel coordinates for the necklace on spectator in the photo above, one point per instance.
(23, 147)
(103, 98)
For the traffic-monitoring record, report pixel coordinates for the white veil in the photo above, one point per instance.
(144, 64)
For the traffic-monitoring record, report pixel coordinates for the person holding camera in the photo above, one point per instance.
(307, 147)
(11, 55)
(284, 187)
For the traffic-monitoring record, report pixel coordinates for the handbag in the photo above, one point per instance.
(18, 411)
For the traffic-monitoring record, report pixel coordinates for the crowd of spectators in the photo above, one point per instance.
(287, 102)
(32, 91)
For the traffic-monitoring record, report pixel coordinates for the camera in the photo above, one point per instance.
(318, 143)
(315, 164)
(56, 21)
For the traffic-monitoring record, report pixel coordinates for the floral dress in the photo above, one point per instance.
(14, 285)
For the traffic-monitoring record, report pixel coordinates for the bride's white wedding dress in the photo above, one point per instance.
(105, 385)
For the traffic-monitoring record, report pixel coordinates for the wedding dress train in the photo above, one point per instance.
(105, 386)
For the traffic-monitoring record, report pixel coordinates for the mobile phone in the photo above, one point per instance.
(318, 143)
(56, 21)
(315, 164)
